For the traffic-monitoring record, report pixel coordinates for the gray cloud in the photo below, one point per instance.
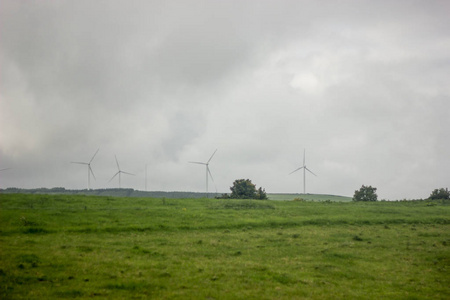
(360, 85)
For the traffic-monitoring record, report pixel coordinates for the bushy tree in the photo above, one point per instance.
(366, 193)
(245, 189)
(440, 194)
(261, 194)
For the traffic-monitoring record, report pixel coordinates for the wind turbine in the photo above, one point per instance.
(304, 172)
(89, 169)
(119, 172)
(208, 172)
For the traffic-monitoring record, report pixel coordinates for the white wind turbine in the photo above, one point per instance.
(89, 169)
(304, 172)
(208, 172)
(119, 172)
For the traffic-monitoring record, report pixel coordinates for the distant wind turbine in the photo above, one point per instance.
(89, 169)
(119, 172)
(304, 172)
(208, 172)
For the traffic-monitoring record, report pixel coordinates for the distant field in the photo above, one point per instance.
(309, 197)
(92, 247)
(159, 194)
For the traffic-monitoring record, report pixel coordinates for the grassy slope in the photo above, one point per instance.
(159, 194)
(309, 197)
(105, 247)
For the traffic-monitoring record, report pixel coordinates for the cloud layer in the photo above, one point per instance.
(362, 86)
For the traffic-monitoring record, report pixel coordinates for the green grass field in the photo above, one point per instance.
(86, 247)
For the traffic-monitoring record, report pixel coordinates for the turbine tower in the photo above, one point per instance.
(89, 169)
(208, 172)
(304, 172)
(119, 172)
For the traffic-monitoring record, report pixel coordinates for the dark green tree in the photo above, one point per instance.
(245, 189)
(366, 193)
(440, 194)
(261, 194)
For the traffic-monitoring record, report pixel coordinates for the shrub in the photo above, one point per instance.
(440, 194)
(261, 194)
(299, 199)
(366, 193)
(223, 196)
(245, 189)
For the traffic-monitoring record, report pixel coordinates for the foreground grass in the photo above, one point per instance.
(102, 247)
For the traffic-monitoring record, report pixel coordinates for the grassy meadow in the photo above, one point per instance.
(79, 247)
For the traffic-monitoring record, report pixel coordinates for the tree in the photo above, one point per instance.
(245, 189)
(366, 193)
(261, 194)
(440, 194)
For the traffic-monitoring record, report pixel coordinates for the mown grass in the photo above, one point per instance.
(58, 247)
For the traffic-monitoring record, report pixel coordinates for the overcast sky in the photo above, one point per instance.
(363, 86)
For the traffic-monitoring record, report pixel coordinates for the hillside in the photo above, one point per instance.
(309, 197)
(161, 194)
(107, 192)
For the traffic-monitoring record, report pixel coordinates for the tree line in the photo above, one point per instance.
(369, 193)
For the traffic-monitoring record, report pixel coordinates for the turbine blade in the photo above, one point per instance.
(80, 163)
(5, 169)
(127, 173)
(209, 172)
(310, 171)
(211, 157)
(117, 163)
(296, 170)
(196, 162)
(92, 172)
(210, 175)
(94, 155)
(113, 176)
